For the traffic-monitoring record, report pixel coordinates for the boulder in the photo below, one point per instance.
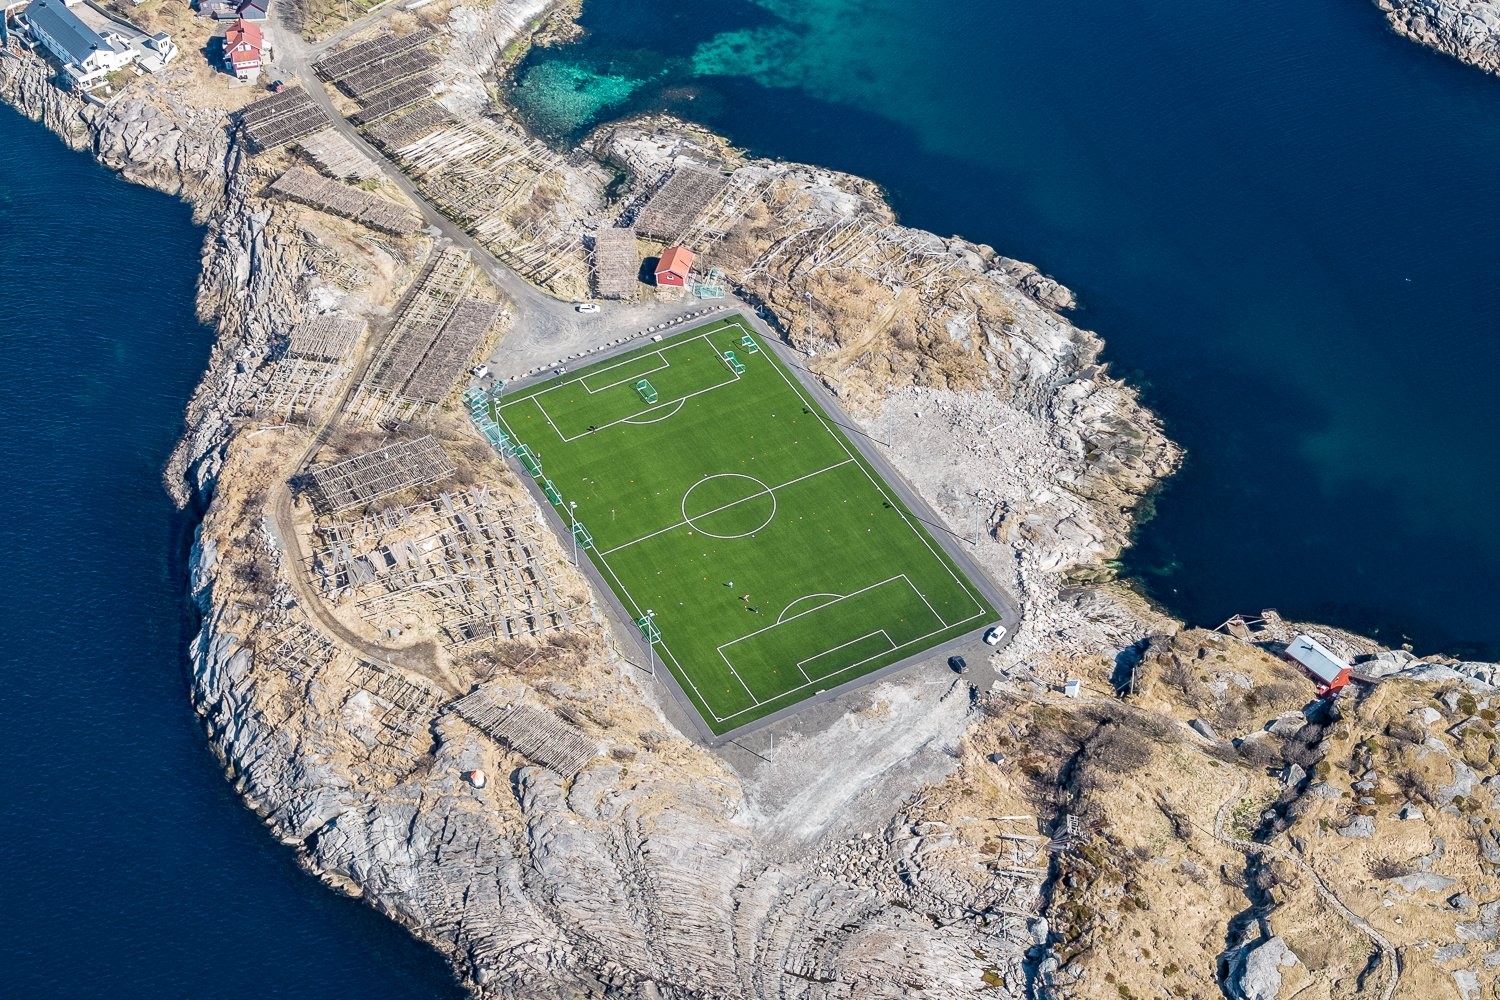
(1203, 729)
(1255, 970)
(1425, 882)
(1359, 828)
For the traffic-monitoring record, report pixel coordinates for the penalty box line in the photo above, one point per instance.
(822, 607)
(845, 669)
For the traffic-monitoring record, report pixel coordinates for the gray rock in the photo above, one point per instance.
(1324, 790)
(1409, 811)
(1467, 982)
(1203, 729)
(1286, 725)
(1450, 952)
(1461, 901)
(1255, 970)
(1359, 828)
(1425, 882)
(1293, 775)
(1483, 929)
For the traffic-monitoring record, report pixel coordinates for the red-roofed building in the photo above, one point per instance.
(674, 266)
(242, 49)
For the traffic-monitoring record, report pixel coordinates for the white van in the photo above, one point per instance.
(994, 635)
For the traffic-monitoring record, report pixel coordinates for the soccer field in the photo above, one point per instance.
(736, 523)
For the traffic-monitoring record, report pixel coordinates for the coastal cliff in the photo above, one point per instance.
(932, 839)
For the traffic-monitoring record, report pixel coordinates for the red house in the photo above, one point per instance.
(674, 266)
(242, 47)
(1322, 665)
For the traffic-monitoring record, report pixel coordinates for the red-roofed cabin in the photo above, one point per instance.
(242, 45)
(1322, 665)
(674, 266)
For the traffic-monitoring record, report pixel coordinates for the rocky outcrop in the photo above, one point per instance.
(1465, 29)
(1255, 972)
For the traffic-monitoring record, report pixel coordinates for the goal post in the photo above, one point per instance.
(647, 391)
(733, 363)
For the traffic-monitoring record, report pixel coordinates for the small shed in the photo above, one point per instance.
(673, 268)
(1325, 667)
(254, 10)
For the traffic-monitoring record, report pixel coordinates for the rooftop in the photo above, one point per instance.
(1316, 658)
(56, 21)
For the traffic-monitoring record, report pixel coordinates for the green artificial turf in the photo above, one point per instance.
(777, 562)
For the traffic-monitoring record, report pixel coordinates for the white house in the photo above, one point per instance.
(90, 52)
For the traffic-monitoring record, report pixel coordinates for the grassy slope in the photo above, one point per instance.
(834, 530)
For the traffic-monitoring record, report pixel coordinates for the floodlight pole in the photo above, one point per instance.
(651, 643)
(573, 522)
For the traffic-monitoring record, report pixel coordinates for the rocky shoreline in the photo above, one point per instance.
(900, 848)
(1468, 30)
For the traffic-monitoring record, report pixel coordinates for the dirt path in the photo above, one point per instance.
(1389, 958)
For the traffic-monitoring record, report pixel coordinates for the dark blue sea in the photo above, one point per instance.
(1281, 218)
(130, 868)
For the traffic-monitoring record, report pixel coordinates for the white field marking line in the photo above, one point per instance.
(803, 598)
(835, 649)
(536, 396)
(631, 418)
(583, 380)
(895, 505)
(820, 607)
(765, 491)
(769, 489)
(625, 594)
(657, 419)
(790, 691)
(660, 351)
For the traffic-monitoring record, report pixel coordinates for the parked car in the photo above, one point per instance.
(586, 307)
(994, 635)
(958, 664)
(480, 371)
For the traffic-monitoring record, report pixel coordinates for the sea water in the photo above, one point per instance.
(1281, 217)
(131, 869)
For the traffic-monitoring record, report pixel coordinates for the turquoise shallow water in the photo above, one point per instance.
(131, 868)
(1281, 218)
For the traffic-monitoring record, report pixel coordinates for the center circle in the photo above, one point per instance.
(728, 505)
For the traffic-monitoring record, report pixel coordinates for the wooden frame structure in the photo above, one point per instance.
(316, 191)
(471, 563)
(281, 118)
(671, 209)
(537, 734)
(374, 475)
(617, 264)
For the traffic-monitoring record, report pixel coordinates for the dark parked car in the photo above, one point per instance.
(958, 664)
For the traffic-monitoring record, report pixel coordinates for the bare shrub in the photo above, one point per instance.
(1415, 786)
(1389, 868)
(1259, 752)
(1118, 749)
